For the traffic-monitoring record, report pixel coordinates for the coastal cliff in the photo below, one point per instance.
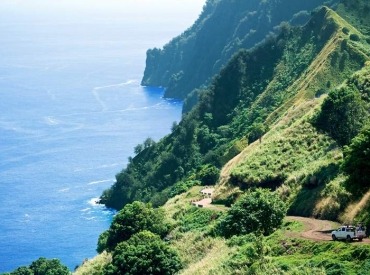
(192, 59)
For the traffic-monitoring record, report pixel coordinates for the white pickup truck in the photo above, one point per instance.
(348, 233)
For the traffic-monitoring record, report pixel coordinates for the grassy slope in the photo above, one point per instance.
(293, 153)
(283, 252)
(198, 251)
(94, 266)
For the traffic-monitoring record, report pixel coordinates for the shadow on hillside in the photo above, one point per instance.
(305, 202)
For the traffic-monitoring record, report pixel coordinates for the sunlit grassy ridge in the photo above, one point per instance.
(94, 266)
(294, 155)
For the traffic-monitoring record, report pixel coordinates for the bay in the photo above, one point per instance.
(71, 111)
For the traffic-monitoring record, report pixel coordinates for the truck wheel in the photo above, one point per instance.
(360, 239)
(348, 239)
(334, 237)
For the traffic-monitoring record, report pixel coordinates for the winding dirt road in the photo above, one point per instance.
(318, 230)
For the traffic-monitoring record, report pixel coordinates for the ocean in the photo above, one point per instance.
(71, 112)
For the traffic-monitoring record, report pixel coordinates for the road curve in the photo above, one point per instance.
(318, 230)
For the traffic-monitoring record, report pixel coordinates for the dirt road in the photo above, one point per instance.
(317, 230)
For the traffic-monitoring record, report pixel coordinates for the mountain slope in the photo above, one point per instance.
(267, 121)
(193, 58)
(271, 89)
(294, 156)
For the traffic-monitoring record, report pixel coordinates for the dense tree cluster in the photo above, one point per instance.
(144, 253)
(357, 160)
(256, 211)
(42, 266)
(342, 114)
(132, 219)
(135, 241)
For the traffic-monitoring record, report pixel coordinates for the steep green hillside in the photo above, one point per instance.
(193, 58)
(271, 89)
(301, 155)
(291, 116)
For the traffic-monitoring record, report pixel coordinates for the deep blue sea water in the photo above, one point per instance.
(71, 111)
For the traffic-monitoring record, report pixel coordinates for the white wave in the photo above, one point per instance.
(96, 90)
(99, 100)
(85, 209)
(26, 219)
(63, 190)
(108, 165)
(51, 121)
(97, 167)
(131, 81)
(94, 201)
(158, 106)
(100, 181)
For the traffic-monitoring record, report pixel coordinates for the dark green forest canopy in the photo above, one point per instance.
(224, 27)
(144, 253)
(42, 266)
(132, 219)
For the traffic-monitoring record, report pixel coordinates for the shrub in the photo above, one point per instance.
(132, 219)
(144, 253)
(43, 266)
(354, 37)
(256, 211)
(357, 159)
(342, 114)
(257, 131)
(21, 271)
(209, 175)
(181, 187)
(102, 241)
(197, 219)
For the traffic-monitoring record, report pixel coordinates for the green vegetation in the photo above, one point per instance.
(278, 254)
(252, 91)
(346, 109)
(278, 157)
(134, 240)
(195, 219)
(257, 211)
(180, 66)
(94, 266)
(285, 116)
(42, 266)
(132, 219)
(357, 160)
(208, 174)
(144, 253)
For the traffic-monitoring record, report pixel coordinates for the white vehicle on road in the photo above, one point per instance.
(348, 233)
